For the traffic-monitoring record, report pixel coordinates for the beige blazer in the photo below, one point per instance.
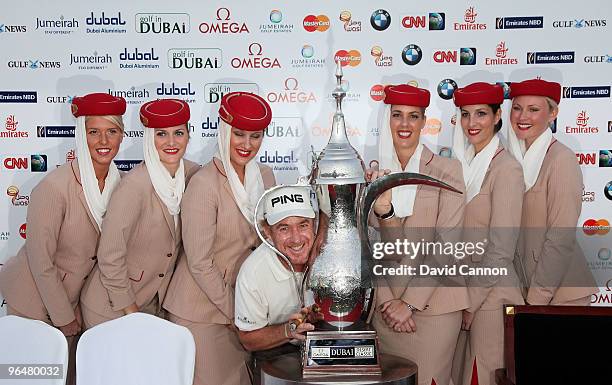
(138, 247)
(44, 280)
(550, 261)
(216, 240)
(434, 210)
(494, 215)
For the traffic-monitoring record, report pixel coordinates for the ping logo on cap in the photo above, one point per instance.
(287, 198)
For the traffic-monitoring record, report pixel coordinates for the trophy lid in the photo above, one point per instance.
(339, 162)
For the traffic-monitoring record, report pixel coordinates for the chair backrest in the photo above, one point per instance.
(136, 349)
(30, 342)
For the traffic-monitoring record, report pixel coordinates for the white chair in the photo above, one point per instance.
(26, 341)
(137, 349)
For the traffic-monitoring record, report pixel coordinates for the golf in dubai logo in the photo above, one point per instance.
(446, 88)
(412, 54)
(380, 20)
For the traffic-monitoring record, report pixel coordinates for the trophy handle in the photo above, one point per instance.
(368, 197)
(299, 287)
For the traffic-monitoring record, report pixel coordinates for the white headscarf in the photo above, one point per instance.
(402, 197)
(170, 190)
(96, 200)
(247, 195)
(475, 166)
(531, 160)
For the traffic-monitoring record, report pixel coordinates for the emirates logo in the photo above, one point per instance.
(501, 51)
(470, 15)
(582, 119)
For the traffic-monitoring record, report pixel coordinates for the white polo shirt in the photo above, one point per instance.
(265, 291)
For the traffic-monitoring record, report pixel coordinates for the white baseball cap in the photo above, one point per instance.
(290, 201)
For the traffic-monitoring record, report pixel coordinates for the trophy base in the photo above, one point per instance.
(341, 352)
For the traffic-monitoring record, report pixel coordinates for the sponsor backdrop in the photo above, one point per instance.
(53, 51)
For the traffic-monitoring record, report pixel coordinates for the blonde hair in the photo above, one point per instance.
(117, 120)
(552, 105)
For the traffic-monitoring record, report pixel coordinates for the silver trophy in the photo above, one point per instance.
(340, 276)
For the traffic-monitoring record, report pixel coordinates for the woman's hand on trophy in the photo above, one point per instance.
(398, 316)
(382, 205)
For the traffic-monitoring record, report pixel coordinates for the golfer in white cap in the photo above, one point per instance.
(266, 296)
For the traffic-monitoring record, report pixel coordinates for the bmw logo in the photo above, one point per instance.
(608, 190)
(380, 20)
(446, 88)
(412, 54)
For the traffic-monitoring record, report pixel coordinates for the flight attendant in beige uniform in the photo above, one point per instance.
(550, 262)
(65, 213)
(494, 194)
(218, 235)
(418, 318)
(141, 236)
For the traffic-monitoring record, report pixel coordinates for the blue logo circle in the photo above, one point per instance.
(276, 16)
(608, 190)
(380, 20)
(307, 51)
(412, 54)
(446, 88)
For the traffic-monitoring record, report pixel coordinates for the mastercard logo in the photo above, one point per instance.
(22, 231)
(596, 227)
(316, 23)
(377, 92)
(433, 126)
(348, 58)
